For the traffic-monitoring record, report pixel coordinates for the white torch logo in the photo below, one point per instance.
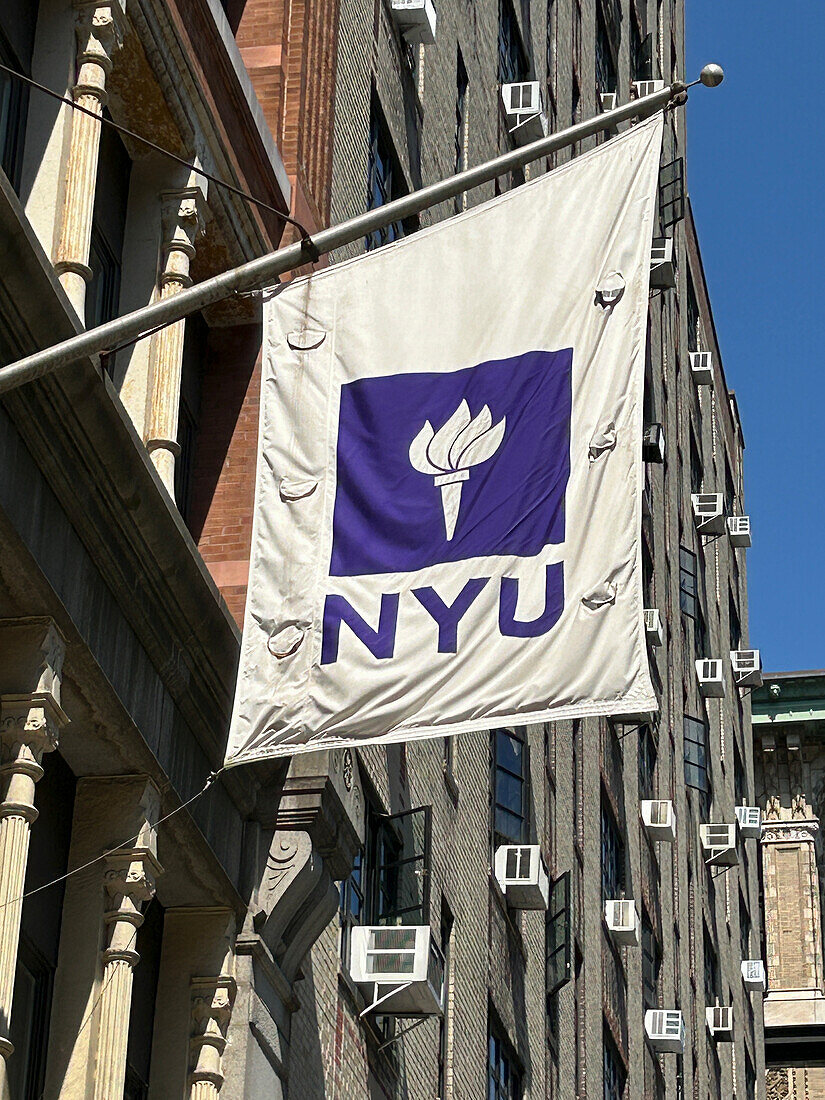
(448, 454)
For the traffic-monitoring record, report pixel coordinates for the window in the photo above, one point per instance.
(558, 936)
(711, 970)
(687, 582)
(605, 67)
(114, 168)
(445, 1022)
(696, 755)
(692, 317)
(651, 961)
(612, 855)
(385, 181)
(735, 625)
(647, 573)
(512, 61)
(144, 992)
(744, 929)
(647, 762)
(390, 879)
(461, 85)
(614, 1075)
(696, 471)
(194, 358)
(672, 193)
(508, 793)
(503, 1075)
(29, 1022)
(18, 20)
(641, 53)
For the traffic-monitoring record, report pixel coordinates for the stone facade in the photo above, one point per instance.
(788, 724)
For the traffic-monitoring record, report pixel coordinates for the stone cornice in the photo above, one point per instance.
(775, 832)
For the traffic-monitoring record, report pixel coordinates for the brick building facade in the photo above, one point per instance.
(788, 716)
(211, 955)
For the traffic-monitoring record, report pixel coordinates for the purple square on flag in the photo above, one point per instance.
(444, 467)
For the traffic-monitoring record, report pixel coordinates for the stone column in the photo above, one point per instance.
(31, 655)
(130, 882)
(212, 1000)
(182, 222)
(99, 28)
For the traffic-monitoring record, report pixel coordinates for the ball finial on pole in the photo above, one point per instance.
(712, 76)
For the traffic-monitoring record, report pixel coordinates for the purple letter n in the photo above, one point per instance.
(380, 642)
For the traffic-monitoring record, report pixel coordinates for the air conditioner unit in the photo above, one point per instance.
(665, 1030)
(662, 269)
(415, 19)
(720, 1023)
(654, 628)
(711, 677)
(709, 513)
(641, 88)
(739, 530)
(522, 876)
(747, 667)
(653, 443)
(659, 818)
(750, 821)
(701, 367)
(609, 101)
(753, 975)
(401, 967)
(622, 919)
(720, 843)
(524, 103)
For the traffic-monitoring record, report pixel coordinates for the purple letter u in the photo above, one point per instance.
(510, 627)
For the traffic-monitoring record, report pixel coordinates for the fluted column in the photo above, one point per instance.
(212, 1000)
(182, 222)
(28, 731)
(99, 35)
(129, 878)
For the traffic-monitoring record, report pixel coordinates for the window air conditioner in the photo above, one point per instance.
(622, 919)
(653, 443)
(524, 104)
(720, 1023)
(654, 628)
(709, 513)
(753, 975)
(662, 269)
(659, 818)
(750, 821)
(665, 1030)
(609, 101)
(747, 667)
(701, 367)
(415, 19)
(522, 876)
(720, 843)
(739, 530)
(402, 968)
(642, 88)
(711, 677)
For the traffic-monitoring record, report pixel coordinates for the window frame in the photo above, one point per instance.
(499, 836)
(688, 596)
(700, 759)
(612, 850)
(501, 1057)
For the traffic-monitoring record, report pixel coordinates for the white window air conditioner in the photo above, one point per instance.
(400, 968)
(659, 818)
(720, 843)
(622, 919)
(747, 667)
(709, 513)
(739, 530)
(641, 88)
(609, 101)
(662, 269)
(522, 876)
(524, 105)
(654, 628)
(665, 1030)
(653, 443)
(711, 677)
(750, 821)
(415, 19)
(753, 975)
(720, 1023)
(701, 367)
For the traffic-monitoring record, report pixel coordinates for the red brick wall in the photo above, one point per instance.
(224, 475)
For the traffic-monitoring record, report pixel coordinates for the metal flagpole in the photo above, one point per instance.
(266, 269)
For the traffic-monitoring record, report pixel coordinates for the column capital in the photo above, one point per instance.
(129, 881)
(100, 26)
(211, 1000)
(182, 219)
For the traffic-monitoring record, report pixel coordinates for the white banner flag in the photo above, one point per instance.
(449, 492)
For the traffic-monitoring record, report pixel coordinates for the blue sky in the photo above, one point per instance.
(756, 177)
